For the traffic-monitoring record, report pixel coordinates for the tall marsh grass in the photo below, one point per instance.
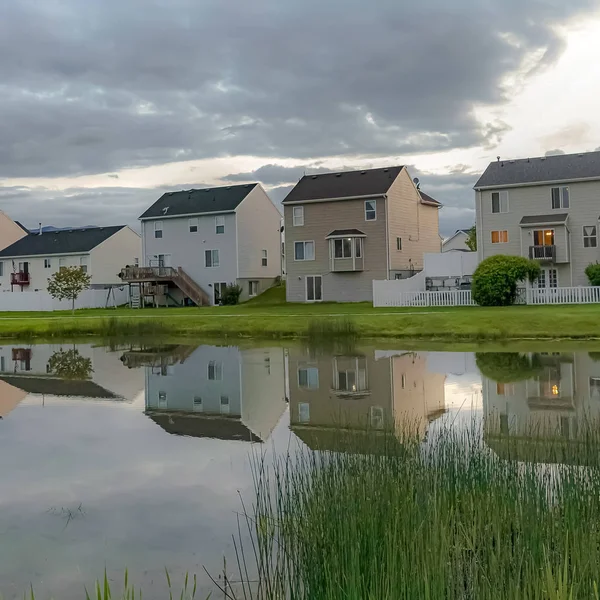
(441, 519)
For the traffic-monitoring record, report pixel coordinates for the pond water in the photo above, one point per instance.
(138, 457)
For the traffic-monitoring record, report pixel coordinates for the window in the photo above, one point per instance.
(1, 269)
(83, 263)
(314, 288)
(162, 399)
(358, 247)
(308, 378)
(505, 389)
(198, 406)
(47, 263)
(398, 243)
(542, 279)
(215, 371)
(342, 248)
(499, 237)
(594, 387)
(225, 405)
(164, 260)
(548, 278)
(499, 202)
(158, 229)
(370, 210)
(211, 258)
(403, 381)
(561, 197)
(253, 288)
(376, 417)
(590, 239)
(543, 237)
(62, 263)
(136, 262)
(265, 258)
(304, 251)
(193, 223)
(219, 290)
(220, 224)
(303, 412)
(3, 364)
(298, 216)
(504, 424)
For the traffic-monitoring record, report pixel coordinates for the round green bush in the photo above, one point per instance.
(495, 279)
(593, 273)
(507, 367)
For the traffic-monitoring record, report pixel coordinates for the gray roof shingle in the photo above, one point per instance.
(564, 167)
(544, 219)
(70, 241)
(195, 202)
(369, 182)
(427, 198)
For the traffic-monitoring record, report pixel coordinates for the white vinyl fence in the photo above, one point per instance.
(42, 301)
(564, 295)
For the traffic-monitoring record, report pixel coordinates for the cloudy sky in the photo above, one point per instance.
(104, 105)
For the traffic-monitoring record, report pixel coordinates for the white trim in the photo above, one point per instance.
(365, 210)
(499, 231)
(347, 235)
(500, 211)
(304, 242)
(217, 224)
(595, 236)
(294, 224)
(534, 183)
(186, 215)
(312, 201)
(306, 288)
(212, 265)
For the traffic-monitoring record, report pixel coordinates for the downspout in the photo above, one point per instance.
(479, 229)
(387, 237)
(143, 257)
(570, 237)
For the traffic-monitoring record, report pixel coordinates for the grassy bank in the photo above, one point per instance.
(270, 318)
(450, 520)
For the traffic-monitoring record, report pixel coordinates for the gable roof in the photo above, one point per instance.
(70, 241)
(428, 199)
(59, 387)
(563, 167)
(200, 201)
(345, 184)
(457, 232)
(544, 219)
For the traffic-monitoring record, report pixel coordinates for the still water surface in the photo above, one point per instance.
(138, 457)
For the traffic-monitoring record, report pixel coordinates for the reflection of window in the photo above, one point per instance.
(304, 412)
(505, 389)
(549, 383)
(350, 375)
(504, 424)
(594, 387)
(308, 378)
(403, 380)
(162, 399)
(198, 404)
(399, 243)
(376, 417)
(215, 371)
(225, 405)
(2, 363)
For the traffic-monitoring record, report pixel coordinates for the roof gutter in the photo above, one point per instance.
(363, 197)
(46, 254)
(184, 215)
(534, 183)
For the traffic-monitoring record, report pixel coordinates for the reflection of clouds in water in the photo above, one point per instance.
(464, 391)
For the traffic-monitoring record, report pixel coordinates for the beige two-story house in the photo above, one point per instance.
(543, 208)
(343, 230)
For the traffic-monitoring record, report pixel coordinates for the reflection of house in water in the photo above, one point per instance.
(554, 405)
(218, 392)
(29, 369)
(368, 391)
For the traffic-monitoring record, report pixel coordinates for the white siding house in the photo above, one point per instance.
(458, 241)
(102, 252)
(210, 238)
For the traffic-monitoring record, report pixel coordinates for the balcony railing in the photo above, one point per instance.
(543, 253)
(19, 278)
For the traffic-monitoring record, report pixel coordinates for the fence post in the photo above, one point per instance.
(528, 294)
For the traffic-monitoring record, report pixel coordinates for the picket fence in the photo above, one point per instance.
(42, 301)
(388, 293)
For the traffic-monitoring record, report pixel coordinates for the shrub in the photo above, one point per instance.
(593, 273)
(231, 295)
(495, 279)
(507, 367)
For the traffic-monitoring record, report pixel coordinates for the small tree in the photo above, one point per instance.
(495, 279)
(69, 364)
(231, 294)
(593, 273)
(471, 241)
(67, 283)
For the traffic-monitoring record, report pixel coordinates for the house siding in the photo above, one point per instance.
(537, 200)
(320, 219)
(416, 223)
(108, 258)
(456, 242)
(10, 232)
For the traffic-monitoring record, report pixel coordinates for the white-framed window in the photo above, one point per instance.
(342, 248)
(136, 262)
(1, 269)
(265, 258)
(83, 263)
(304, 251)
(499, 202)
(3, 364)
(62, 263)
(505, 389)
(590, 237)
(219, 290)
(253, 288)
(158, 229)
(398, 243)
(47, 263)
(548, 279)
(198, 406)
(543, 237)
(298, 216)
(358, 247)
(303, 412)
(499, 237)
(552, 278)
(376, 417)
(211, 258)
(193, 225)
(215, 371)
(162, 399)
(561, 197)
(308, 378)
(370, 210)
(314, 288)
(594, 387)
(220, 224)
(225, 405)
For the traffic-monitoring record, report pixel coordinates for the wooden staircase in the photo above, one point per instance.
(165, 274)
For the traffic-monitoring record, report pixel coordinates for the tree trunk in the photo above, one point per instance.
(73, 305)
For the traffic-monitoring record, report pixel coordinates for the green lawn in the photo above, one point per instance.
(268, 316)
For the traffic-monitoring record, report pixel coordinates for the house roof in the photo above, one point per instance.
(22, 226)
(194, 202)
(564, 167)
(345, 184)
(70, 241)
(59, 387)
(343, 232)
(428, 199)
(544, 219)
